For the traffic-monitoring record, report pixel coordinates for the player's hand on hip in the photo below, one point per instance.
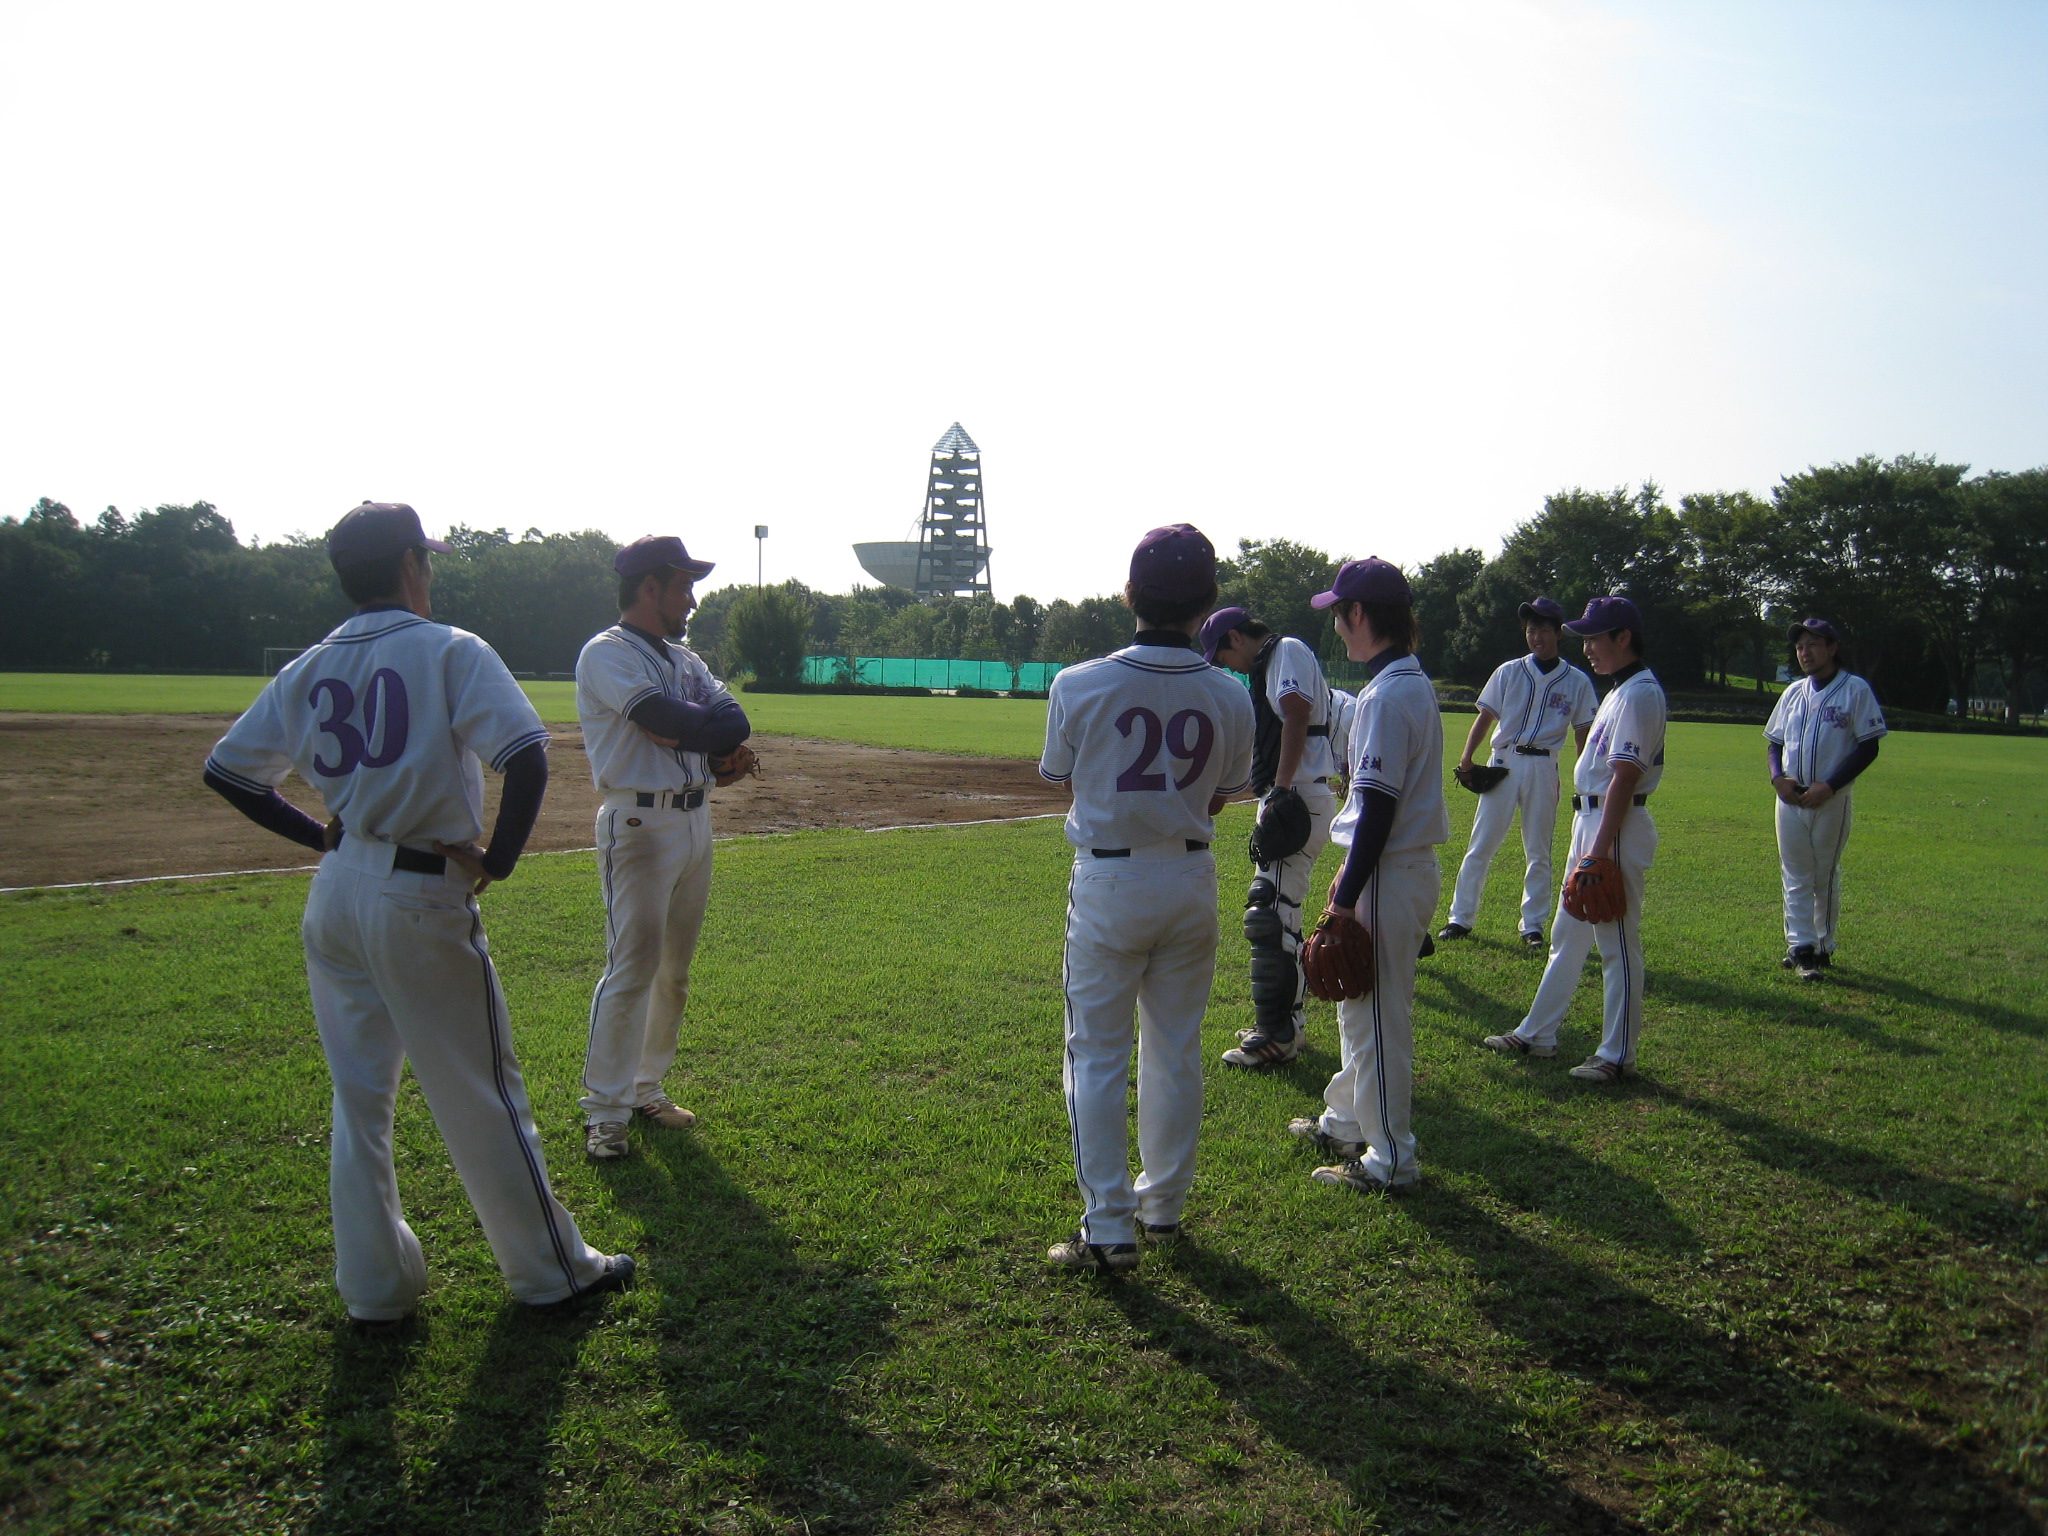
(1817, 795)
(330, 835)
(468, 858)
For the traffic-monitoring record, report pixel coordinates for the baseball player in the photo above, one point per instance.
(388, 718)
(1617, 772)
(654, 723)
(1822, 734)
(1150, 739)
(1530, 702)
(1291, 711)
(1392, 821)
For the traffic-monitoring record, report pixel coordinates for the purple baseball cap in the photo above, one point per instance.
(1541, 608)
(1819, 627)
(1217, 629)
(1370, 580)
(1604, 614)
(1174, 564)
(376, 529)
(654, 552)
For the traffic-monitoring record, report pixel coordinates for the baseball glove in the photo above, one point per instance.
(1593, 892)
(735, 765)
(1282, 827)
(1337, 959)
(1479, 780)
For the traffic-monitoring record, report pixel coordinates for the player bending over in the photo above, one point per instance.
(660, 731)
(1823, 733)
(388, 718)
(1291, 772)
(1392, 821)
(1150, 740)
(1531, 702)
(1613, 842)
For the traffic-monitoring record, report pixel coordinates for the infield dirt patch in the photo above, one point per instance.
(113, 797)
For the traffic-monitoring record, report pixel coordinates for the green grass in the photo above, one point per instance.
(1792, 1280)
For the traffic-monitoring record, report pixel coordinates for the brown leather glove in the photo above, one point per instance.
(1593, 892)
(1337, 959)
(735, 765)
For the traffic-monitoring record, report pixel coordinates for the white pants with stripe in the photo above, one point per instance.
(655, 865)
(1810, 845)
(1620, 944)
(1531, 788)
(1141, 946)
(1371, 1097)
(400, 971)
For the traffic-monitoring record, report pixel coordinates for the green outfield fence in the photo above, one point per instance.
(929, 672)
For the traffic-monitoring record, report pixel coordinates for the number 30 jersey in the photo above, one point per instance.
(387, 718)
(1145, 736)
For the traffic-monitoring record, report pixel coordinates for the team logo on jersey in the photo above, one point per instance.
(1371, 764)
(1833, 714)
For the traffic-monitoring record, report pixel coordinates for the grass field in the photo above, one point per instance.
(1792, 1280)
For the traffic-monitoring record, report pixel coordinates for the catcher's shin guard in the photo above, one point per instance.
(1276, 977)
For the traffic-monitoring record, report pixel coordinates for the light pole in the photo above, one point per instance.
(760, 550)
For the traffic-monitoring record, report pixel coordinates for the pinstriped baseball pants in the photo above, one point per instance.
(1810, 847)
(1620, 944)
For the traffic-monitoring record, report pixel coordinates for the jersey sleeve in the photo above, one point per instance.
(1867, 719)
(1379, 747)
(612, 677)
(1585, 702)
(488, 711)
(1780, 724)
(1056, 762)
(1638, 733)
(709, 691)
(1493, 697)
(253, 754)
(1294, 671)
(1241, 725)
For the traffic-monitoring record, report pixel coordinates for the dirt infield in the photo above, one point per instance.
(111, 797)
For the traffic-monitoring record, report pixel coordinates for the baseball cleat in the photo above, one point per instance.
(1160, 1232)
(1598, 1069)
(1103, 1258)
(606, 1139)
(663, 1110)
(1451, 931)
(1515, 1045)
(378, 1327)
(1311, 1130)
(1351, 1173)
(1798, 959)
(1533, 938)
(1428, 948)
(617, 1275)
(1809, 968)
(1259, 1049)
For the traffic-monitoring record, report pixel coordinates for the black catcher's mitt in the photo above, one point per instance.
(1480, 780)
(1282, 827)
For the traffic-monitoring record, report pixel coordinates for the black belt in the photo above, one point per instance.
(1125, 853)
(413, 861)
(1532, 751)
(1319, 730)
(679, 800)
(1592, 802)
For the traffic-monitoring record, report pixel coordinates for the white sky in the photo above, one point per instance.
(1373, 275)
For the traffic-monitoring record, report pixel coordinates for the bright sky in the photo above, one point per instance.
(1371, 274)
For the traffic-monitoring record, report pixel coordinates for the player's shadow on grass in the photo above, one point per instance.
(1648, 1362)
(756, 1343)
(1992, 1015)
(1407, 1441)
(1970, 1214)
(1800, 1005)
(1473, 1010)
(362, 1476)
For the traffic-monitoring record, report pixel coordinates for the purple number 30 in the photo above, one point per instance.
(387, 689)
(1174, 737)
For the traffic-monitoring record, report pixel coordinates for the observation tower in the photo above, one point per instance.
(949, 556)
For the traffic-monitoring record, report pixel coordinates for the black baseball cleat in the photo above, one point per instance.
(1451, 931)
(1805, 961)
(1428, 948)
(379, 1327)
(618, 1275)
(1533, 938)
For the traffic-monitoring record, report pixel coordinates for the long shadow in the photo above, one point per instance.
(1797, 1009)
(362, 1477)
(1427, 1452)
(2006, 1224)
(1849, 1466)
(756, 1343)
(1550, 1178)
(1992, 1015)
(1485, 1013)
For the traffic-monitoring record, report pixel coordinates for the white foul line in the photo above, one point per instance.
(301, 869)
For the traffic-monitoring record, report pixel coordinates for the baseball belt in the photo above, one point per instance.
(1532, 751)
(415, 861)
(1592, 802)
(678, 799)
(1125, 853)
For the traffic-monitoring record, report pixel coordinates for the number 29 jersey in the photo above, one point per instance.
(1144, 737)
(387, 718)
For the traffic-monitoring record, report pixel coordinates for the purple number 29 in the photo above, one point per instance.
(1189, 736)
(387, 687)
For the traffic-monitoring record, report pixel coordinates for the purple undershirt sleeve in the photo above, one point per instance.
(526, 782)
(714, 729)
(1375, 821)
(1864, 755)
(1777, 756)
(271, 811)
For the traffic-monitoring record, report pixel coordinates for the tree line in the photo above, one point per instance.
(1939, 581)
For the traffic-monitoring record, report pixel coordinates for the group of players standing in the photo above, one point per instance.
(391, 717)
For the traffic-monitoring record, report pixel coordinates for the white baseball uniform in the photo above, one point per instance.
(1629, 728)
(1144, 737)
(1342, 706)
(1815, 730)
(1397, 748)
(653, 858)
(388, 717)
(1534, 711)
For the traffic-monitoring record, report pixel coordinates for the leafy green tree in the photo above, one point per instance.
(1438, 585)
(769, 627)
(1735, 551)
(1073, 632)
(2008, 514)
(1273, 579)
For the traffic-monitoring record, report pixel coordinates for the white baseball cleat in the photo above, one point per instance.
(1104, 1258)
(1515, 1045)
(1352, 1175)
(1309, 1129)
(606, 1139)
(1598, 1069)
(663, 1110)
(1259, 1049)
